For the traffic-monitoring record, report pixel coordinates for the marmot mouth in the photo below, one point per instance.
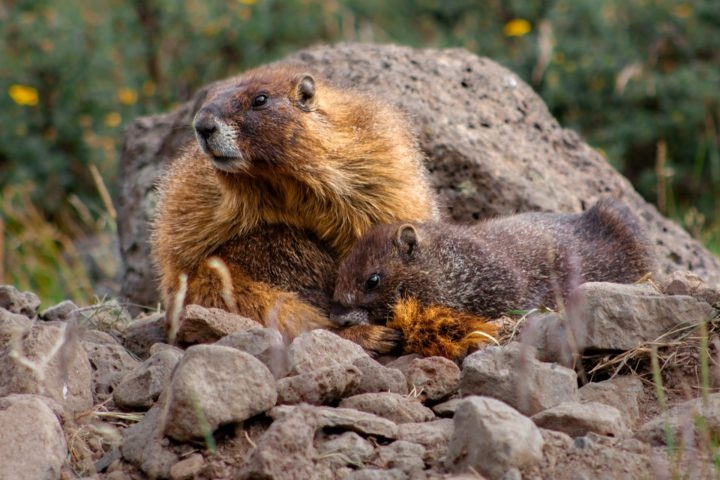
(228, 164)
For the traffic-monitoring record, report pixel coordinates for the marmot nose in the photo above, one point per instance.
(205, 124)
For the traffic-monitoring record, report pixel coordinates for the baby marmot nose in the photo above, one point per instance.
(205, 124)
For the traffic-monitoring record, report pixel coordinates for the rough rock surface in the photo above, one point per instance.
(578, 419)
(492, 146)
(265, 344)
(205, 325)
(110, 362)
(378, 378)
(512, 374)
(492, 437)
(140, 388)
(623, 393)
(682, 421)
(319, 387)
(32, 445)
(433, 378)
(15, 301)
(214, 385)
(395, 407)
(345, 418)
(318, 349)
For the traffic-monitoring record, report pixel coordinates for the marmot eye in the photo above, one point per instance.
(372, 281)
(260, 101)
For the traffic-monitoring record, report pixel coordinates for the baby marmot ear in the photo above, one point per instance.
(306, 92)
(406, 239)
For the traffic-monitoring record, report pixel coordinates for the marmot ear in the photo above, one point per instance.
(306, 92)
(406, 239)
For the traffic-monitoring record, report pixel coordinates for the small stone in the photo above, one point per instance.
(434, 436)
(286, 449)
(433, 379)
(110, 362)
(682, 421)
(393, 406)
(492, 437)
(106, 316)
(577, 419)
(265, 344)
(142, 333)
(344, 418)
(622, 392)
(378, 378)
(688, 283)
(214, 385)
(348, 448)
(447, 409)
(582, 442)
(512, 474)
(403, 363)
(319, 387)
(140, 388)
(512, 374)
(21, 303)
(207, 325)
(33, 445)
(143, 446)
(59, 312)
(320, 348)
(188, 468)
(377, 474)
(403, 455)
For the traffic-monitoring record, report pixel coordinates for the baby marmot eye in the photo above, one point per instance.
(372, 282)
(260, 101)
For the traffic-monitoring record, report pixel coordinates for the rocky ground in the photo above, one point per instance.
(92, 393)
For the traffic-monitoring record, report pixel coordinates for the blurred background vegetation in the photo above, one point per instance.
(639, 79)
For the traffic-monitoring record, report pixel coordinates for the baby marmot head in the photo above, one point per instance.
(255, 120)
(381, 269)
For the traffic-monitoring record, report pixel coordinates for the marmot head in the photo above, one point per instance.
(255, 121)
(379, 271)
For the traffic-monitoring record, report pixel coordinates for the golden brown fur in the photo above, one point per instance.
(288, 171)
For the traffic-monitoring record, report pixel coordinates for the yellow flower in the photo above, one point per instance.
(247, 2)
(516, 27)
(113, 119)
(127, 96)
(23, 95)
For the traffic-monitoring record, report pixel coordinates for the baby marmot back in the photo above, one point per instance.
(516, 262)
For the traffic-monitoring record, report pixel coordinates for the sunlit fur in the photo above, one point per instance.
(509, 263)
(320, 174)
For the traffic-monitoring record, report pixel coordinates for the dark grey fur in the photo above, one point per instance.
(516, 262)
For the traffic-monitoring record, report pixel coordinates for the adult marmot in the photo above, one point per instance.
(287, 172)
(488, 269)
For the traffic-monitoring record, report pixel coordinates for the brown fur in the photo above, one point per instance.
(279, 188)
(437, 330)
(516, 262)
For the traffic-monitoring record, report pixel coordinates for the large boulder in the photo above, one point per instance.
(492, 147)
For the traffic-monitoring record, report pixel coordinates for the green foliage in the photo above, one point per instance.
(638, 78)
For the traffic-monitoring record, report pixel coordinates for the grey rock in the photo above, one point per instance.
(683, 282)
(12, 325)
(187, 468)
(285, 451)
(682, 421)
(108, 316)
(142, 333)
(319, 387)
(46, 359)
(60, 312)
(491, 143)
(265, 344)
(110, 362)
(15, 301)
(622, 392)
(393, 406)
(402, 455)
(99, 337)
(344, 418)
(492, 437)
(214, 385)
(378, 378)
(403, 362)
(32, 444)
(144, 446)
(433, 379)
(577, 419)
(320, 348)
(348, 448)
(512, 374)
(140, 388)
(206, 325)
(434, 436)
(447, 409)
(621, 317)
